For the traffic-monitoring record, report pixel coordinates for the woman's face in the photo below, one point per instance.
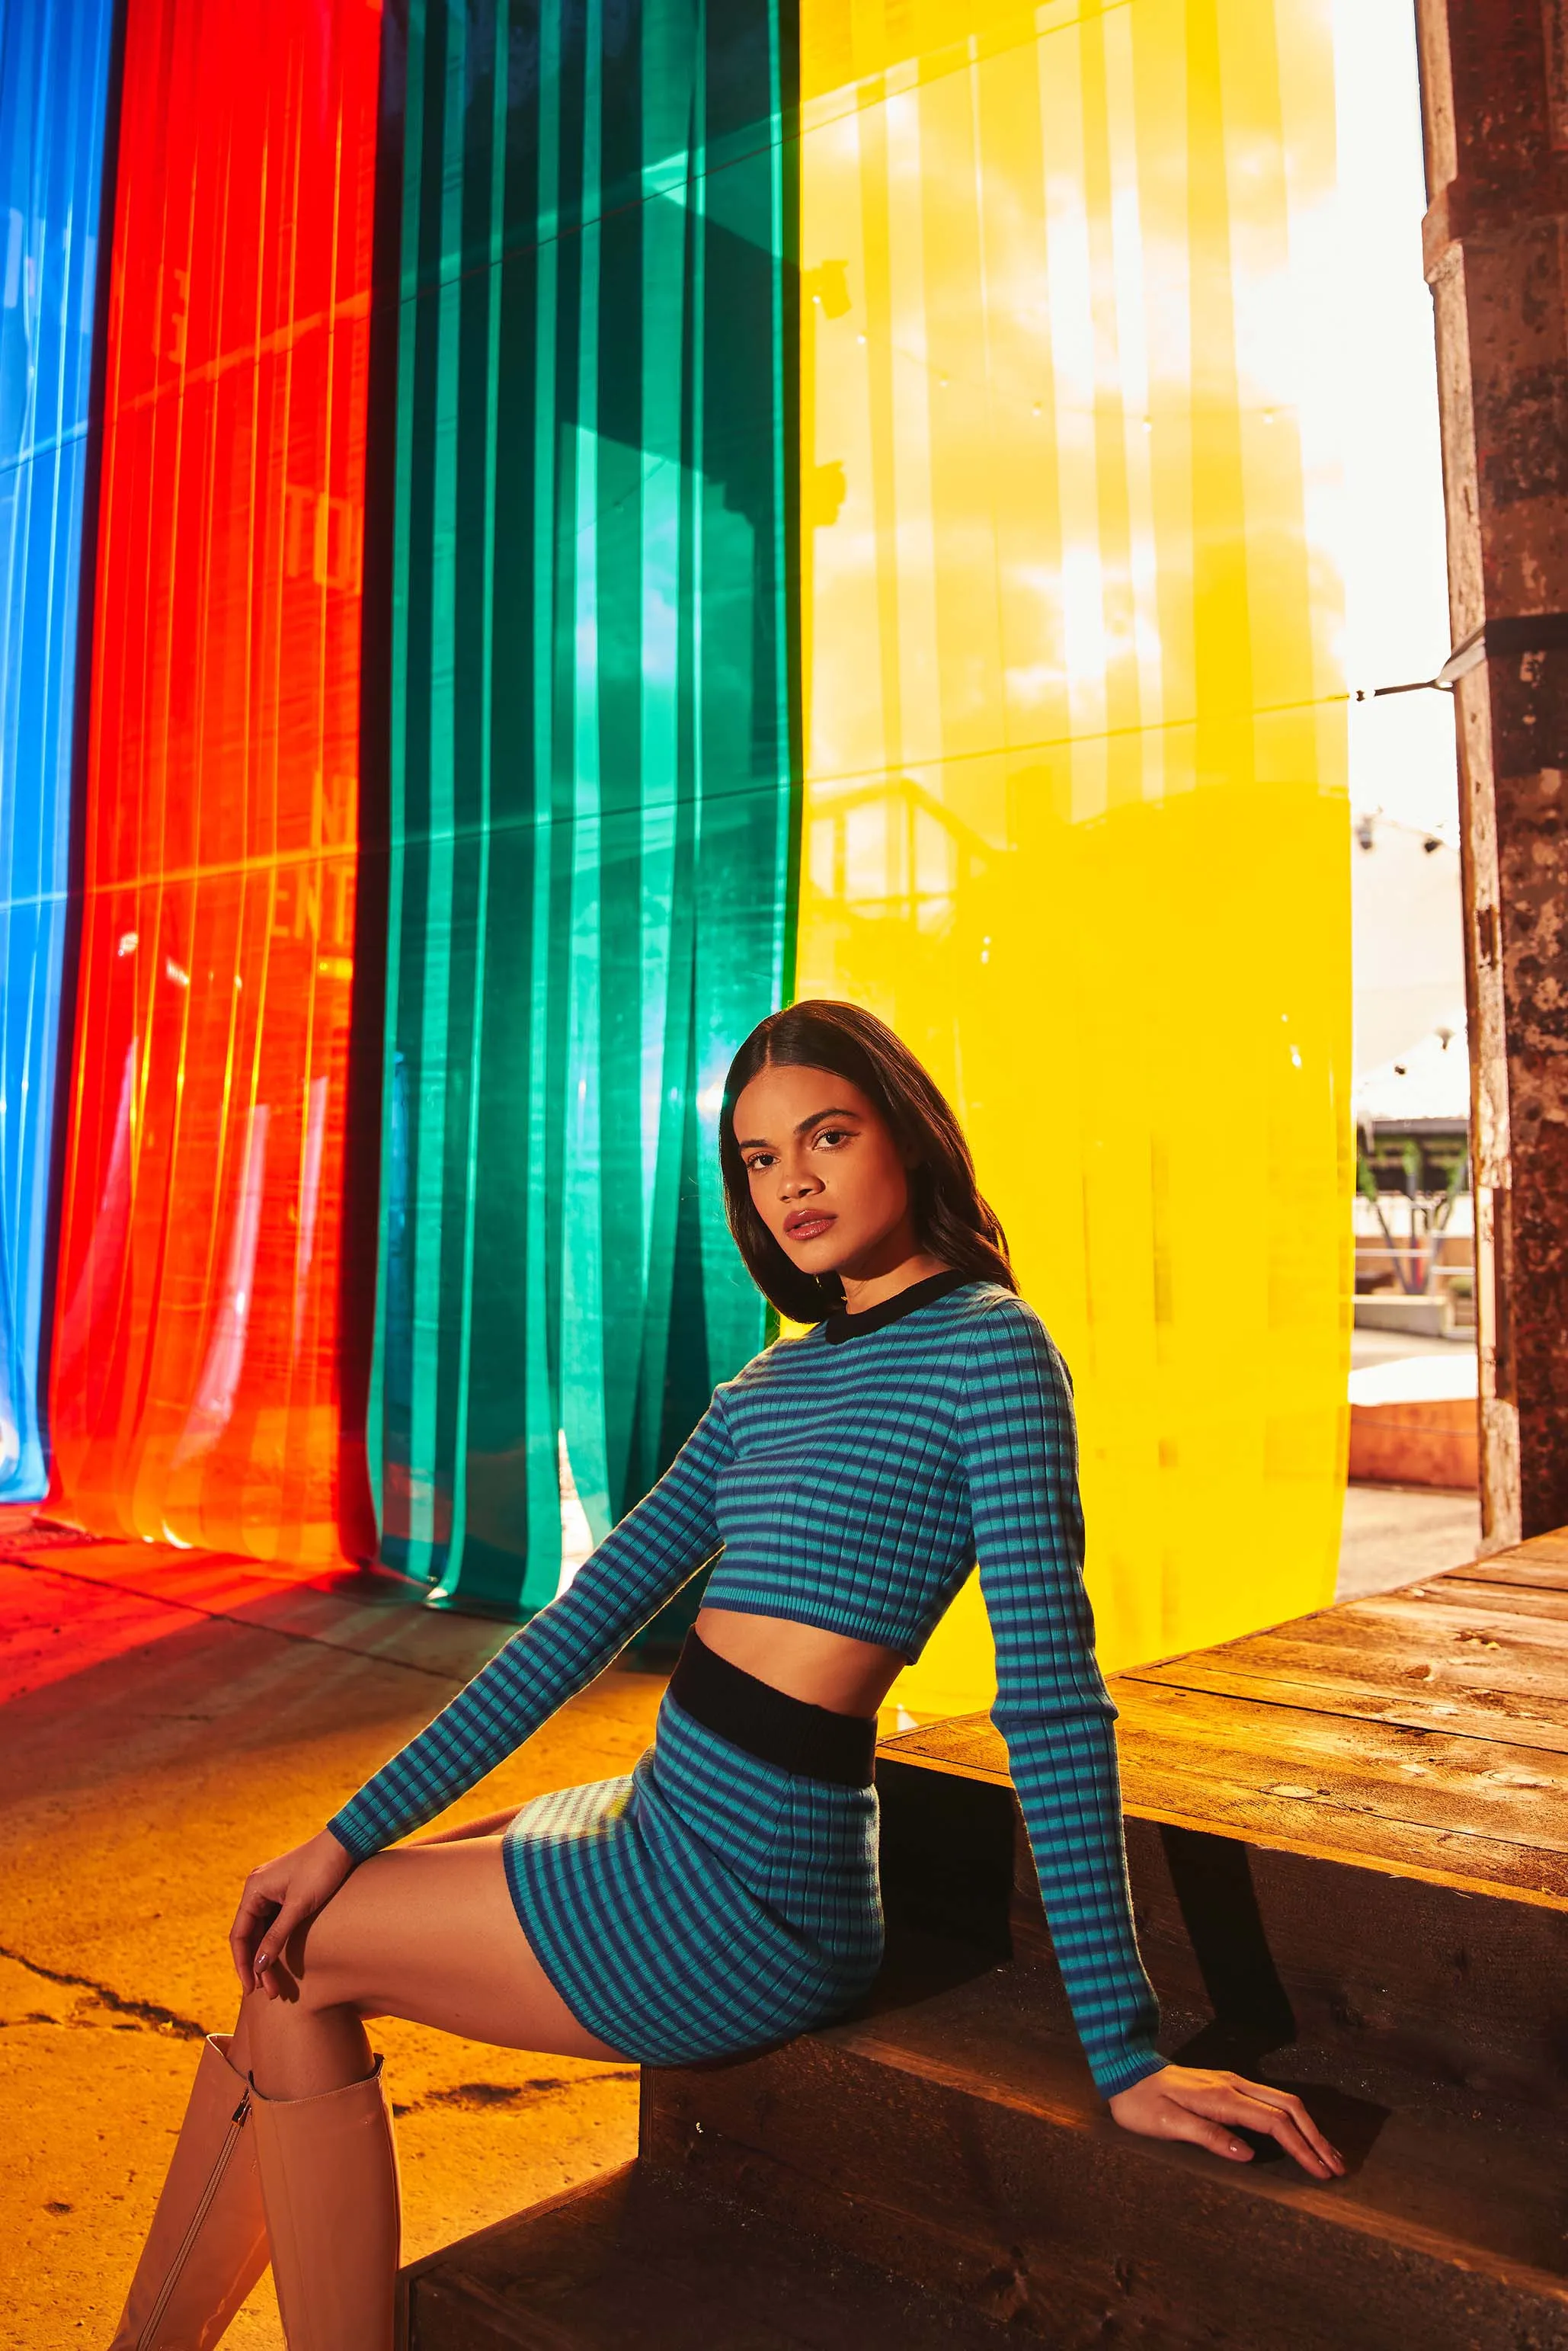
(827, 1176)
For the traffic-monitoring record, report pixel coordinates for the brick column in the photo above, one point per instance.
(1495, 105)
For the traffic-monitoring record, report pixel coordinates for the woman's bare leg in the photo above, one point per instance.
(428, 1933)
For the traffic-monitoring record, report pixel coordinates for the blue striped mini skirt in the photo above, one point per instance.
(710, 1904)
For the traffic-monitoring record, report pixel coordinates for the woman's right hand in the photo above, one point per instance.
(279, 1898)
(1192, 2101)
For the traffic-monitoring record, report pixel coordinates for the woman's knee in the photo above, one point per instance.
(294, 2000)
(312, 1974)
(315, 1971)
(324, 1962)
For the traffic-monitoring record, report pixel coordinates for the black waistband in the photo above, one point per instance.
(770, 1724)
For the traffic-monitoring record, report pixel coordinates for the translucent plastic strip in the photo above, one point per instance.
(53, 78)
(1076, 817)
(196, 1366)
(591, 769)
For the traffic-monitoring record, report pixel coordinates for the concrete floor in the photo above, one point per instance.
(168, 1719)
(157, 1737)
(1396, 1534)
(1392, 1346)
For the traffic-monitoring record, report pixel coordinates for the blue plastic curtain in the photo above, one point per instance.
(54, 76)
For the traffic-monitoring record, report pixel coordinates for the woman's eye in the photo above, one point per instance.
(832, 1136)
(759, 1166)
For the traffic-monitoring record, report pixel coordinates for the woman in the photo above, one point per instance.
(725, 1896)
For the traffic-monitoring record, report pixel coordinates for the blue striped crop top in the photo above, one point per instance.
(852, 1476)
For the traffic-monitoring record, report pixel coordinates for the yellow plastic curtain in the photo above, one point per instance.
(1076, 811)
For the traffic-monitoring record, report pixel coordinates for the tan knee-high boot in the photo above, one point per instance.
(207, 2244)
(329, 2182)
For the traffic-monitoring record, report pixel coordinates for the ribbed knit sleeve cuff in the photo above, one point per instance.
(1114, 2074)
(358, 1840)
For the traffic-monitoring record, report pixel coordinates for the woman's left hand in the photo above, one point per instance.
(1190, 2102)
(279, 1897)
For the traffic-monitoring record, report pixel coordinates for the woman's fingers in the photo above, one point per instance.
(1186, 2123)
(1279, 2115)
(1287, 2105)
(1256, 2114)
(264, 1968)
(257, 1909)
(279, 1898)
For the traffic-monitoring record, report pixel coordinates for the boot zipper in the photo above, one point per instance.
(149, 2333)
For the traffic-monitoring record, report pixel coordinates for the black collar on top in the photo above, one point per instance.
(842, 1326)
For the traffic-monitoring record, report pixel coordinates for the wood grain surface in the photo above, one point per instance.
(1424, 1730)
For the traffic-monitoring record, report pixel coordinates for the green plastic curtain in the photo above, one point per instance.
(590, 793)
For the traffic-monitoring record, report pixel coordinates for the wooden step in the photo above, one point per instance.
(1274, 1942)
(1350, 1829)
(641, 2260)
(957, 2142)
(1351, 1877)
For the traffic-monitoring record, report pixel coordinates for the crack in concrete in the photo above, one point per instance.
(479, 2097)
(145, 2012)
(472, 2095)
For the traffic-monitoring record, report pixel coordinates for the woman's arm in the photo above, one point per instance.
(652, 1552)
(1020, 1452)
(1020, 1455)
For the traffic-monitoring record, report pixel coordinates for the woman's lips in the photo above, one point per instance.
(807, 1227)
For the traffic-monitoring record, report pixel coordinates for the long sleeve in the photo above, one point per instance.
(1019, 1447)
(655, 1550)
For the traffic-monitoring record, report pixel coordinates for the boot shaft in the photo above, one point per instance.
(207, 2244)
(328, 2167)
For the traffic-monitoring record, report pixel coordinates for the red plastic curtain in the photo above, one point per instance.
(194, 1371)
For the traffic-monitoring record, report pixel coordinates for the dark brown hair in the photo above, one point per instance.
(951, 1218)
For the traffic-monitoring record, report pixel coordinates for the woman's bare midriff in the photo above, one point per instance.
(805, 1661)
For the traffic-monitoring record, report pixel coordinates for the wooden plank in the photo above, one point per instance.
(953, 2140)
(963, 1742)
(1397, 1957)
(1268, 1675)
(1507, 1568)
(1548, 1546)
(1540, 1603)
(1404, 1654)
(1218, 1785)
(1424, 1623)
(1459, 1786)
(1423, 1731)
(1516, 1678)
(1512, 1720)
(1530, 1591)
(1409, 1617)
(1323, 1830)
(1467, 1697)
(635, 2258)
(1383, 1962)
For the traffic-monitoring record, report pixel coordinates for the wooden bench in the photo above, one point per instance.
(1348, 1846)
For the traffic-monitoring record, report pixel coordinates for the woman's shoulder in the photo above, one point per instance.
(993, 1311)
(1000, 1327)
(790, 1353)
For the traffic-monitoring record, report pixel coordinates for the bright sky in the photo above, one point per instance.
(1397, 614)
